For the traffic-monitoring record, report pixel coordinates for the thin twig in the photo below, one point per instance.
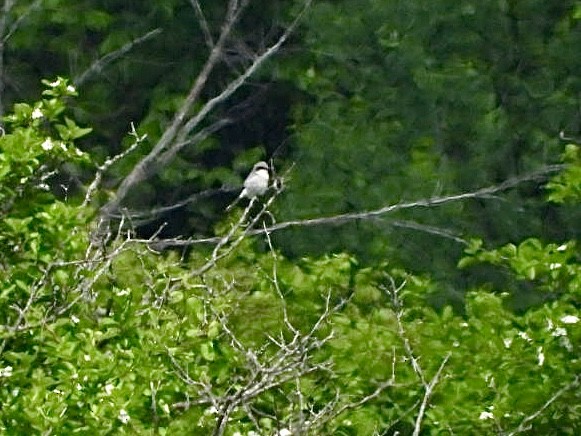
(428, 394)
(146, 167)
(377, 213)
(100, 64)
(203, 23)
(393, 291)
(101, 169)
(182, 125)
(21, 17)
(525, 423)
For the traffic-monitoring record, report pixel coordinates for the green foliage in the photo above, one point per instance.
(407, 100)
(566, 187)
(400, 100)
(554, 268)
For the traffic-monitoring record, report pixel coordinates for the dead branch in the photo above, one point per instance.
(393, 291)
(485, 192)
(525, 424)
(175, 136)
(100, 64)
(291, 360)
(6, 33)
(203, 23)
(101, 169)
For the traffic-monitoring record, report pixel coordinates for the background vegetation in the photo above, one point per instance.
(413, 270)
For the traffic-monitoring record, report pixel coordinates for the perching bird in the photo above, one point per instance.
(255, 184)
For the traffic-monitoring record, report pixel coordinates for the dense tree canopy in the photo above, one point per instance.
(413, 269)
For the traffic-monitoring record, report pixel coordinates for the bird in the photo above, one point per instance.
(256, 183)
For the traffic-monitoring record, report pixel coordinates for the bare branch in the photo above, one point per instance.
(428, 394)
(14, 27)
(110, 162)
(393, 291)
(166, 157)
(175, 136)
(145, 216)
(223, 241)
(486, 192)
(147, 165)
(100, 64)
(277, 286)
(433, 230)
(541, 174)
(7, 7)
(525, 423)
(290, 360)
(203, 23)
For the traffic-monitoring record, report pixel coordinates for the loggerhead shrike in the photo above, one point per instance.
(255, 184)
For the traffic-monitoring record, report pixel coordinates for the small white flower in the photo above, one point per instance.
(56, 83)
(71, 88)
(550, 325)
(109, 388)
(237, 433)
(36, 114)
(6, 372)
(87, 358)
(559, 331)
(15, 392)
(541, 356)
(58, 391)
(122, 292)
(570, 319)
(463, 324)
(562, 247)
(284, 432)
(123, 416)
(211, 411)
(63, 146)
(485, 415)
(455, 344)
(525, 336)
(565, 342)
(554, 266)
(47, 144)
(507, 342)
(79, 387)
(74, 319)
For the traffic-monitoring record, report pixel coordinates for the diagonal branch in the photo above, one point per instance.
(429, 389)
(6, 33)
(485, 192)
(100, 64)
(427, 202)
(21, 17)
(525, 424)
(175, 137)
(203, 23)
(393, 292)
(146, 167)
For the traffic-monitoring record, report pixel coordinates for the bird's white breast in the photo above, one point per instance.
(256, 183)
